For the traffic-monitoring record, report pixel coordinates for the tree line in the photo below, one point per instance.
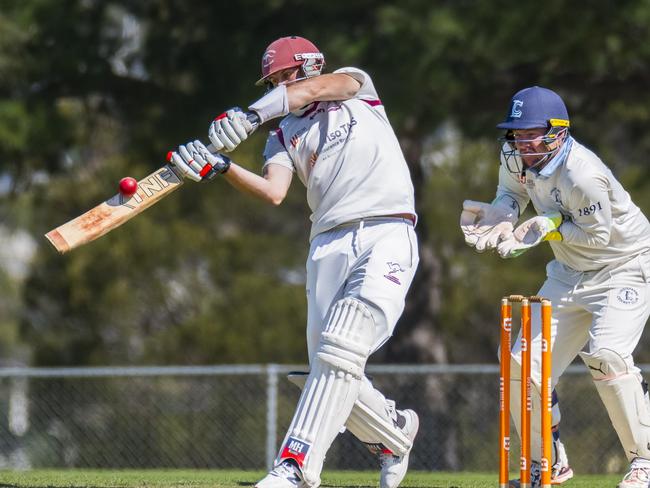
(93, 91)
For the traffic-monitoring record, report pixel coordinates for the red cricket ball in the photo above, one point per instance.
(128, 186)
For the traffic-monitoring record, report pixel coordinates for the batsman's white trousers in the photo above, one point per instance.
(605, 309)
(357, 278)
(372, 260)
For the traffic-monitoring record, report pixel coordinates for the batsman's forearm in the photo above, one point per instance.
(252, 184)
(328, 87)
(289, 97)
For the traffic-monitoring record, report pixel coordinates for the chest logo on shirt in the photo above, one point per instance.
(529, 182)
(297, 137)
(320, 110)
(556, 196)
(341, 131)
(393, 269)
(627, 296)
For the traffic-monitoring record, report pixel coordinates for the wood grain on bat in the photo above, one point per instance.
(115, 211)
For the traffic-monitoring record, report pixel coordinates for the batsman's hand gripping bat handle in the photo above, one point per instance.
(213, 171)
(253, 118)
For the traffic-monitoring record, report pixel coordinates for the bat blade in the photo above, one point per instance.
(115, 211)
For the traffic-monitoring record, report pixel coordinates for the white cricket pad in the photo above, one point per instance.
(372, 419)
(331, 388)
(620, 388)
(535, 412)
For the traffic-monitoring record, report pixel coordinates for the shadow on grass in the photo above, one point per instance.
(11, 485)
(327, 485)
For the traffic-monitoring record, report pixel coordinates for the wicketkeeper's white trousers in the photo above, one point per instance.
(599, 312)
(593, 310)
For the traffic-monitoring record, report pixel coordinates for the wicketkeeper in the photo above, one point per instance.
(599, 281)
(335, 135)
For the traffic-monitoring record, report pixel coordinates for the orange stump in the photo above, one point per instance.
(547, 394)
(504, 393)
(526, 390)
(524, 459)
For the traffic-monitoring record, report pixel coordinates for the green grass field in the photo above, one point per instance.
(238, 479)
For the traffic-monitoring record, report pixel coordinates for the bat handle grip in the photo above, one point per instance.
(254, 119)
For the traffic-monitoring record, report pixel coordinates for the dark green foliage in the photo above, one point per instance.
(211, 276)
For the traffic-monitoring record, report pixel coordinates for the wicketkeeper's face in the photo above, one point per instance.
(531, 145)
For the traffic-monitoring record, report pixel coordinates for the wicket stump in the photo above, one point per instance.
(526, 390)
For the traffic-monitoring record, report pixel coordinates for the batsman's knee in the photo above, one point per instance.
(348, 336)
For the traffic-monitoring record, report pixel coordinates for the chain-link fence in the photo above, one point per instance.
(235, 417)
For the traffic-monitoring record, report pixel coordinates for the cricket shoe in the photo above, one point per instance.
(394, 468)
(560, 471)
(535, 477)
(284, 475)
(636, 477)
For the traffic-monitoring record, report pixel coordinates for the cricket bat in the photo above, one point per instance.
(118, 209)
(115, 211)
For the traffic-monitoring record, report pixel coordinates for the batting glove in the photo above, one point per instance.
(197, 162)
(531, 233)
(229, 129)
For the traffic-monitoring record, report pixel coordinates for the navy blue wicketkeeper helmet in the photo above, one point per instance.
(534, 108)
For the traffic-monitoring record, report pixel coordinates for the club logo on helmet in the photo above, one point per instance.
(267, 59)
(516, 109)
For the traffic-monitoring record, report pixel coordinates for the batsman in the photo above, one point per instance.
(599, 281)
(335, 136)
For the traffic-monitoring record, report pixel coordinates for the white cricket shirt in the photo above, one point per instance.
(347, 156)
(603, 225)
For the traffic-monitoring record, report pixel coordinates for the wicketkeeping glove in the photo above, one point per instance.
(485, 224)
(197, 162)
(530, 233)
(229, 129)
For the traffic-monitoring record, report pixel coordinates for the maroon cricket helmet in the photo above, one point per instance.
(290, 52)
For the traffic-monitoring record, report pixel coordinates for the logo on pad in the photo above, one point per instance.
(295, 449)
